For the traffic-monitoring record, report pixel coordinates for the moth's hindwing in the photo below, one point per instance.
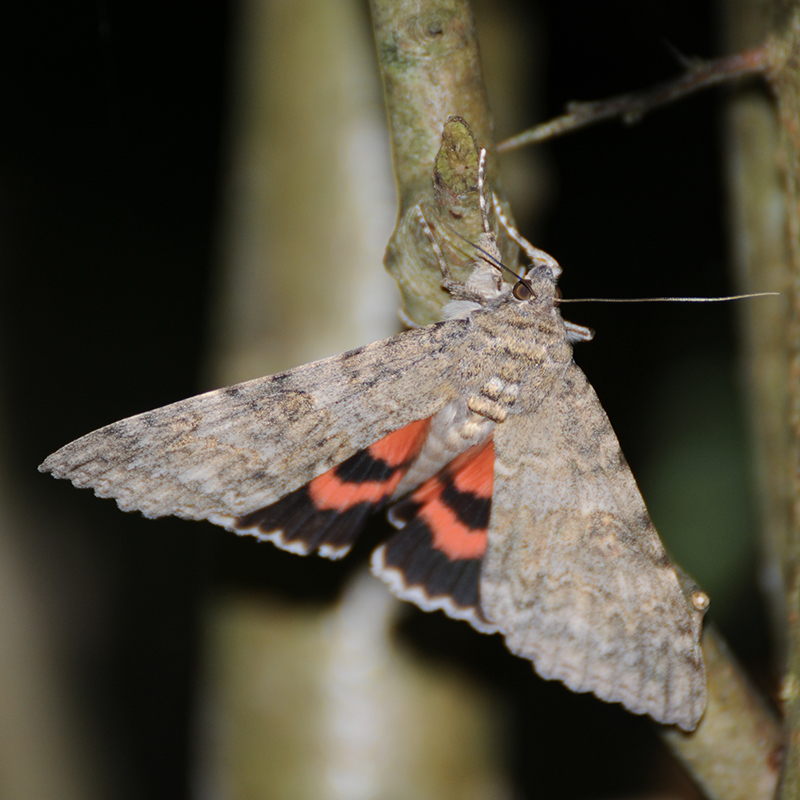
(226, 454)
(327, 514)
(435, 559)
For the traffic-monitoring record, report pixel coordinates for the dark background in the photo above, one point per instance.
(112, 154)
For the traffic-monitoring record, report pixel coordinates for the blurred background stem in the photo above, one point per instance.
(318, 701)
(764, 185)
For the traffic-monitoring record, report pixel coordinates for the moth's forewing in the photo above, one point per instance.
(227, 453)
(576, 575)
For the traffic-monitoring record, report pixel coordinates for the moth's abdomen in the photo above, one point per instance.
(495, 399)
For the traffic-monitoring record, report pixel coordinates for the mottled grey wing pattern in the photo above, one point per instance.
(224, 454)
(575, 573)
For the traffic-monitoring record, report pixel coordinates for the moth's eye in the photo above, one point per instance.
(522, 290)
(558, 293)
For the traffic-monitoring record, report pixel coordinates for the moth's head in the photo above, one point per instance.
(539, 283)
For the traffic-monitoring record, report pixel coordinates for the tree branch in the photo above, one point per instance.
(633, 106)
(431, 70)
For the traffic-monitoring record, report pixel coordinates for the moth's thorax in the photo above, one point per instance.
(525, 326)
(519, 345)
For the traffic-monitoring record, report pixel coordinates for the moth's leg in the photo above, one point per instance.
(444, 268)
(487, 228)
(455, 288)
(578, 333)
(406, 320)
(537, 257)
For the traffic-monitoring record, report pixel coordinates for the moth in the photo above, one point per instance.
(514, 506)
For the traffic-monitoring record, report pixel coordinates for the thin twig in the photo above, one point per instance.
(633, 106)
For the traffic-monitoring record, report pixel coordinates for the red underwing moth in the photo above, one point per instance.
(515, 508)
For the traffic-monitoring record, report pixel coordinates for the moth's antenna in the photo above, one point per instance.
(667, 299)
